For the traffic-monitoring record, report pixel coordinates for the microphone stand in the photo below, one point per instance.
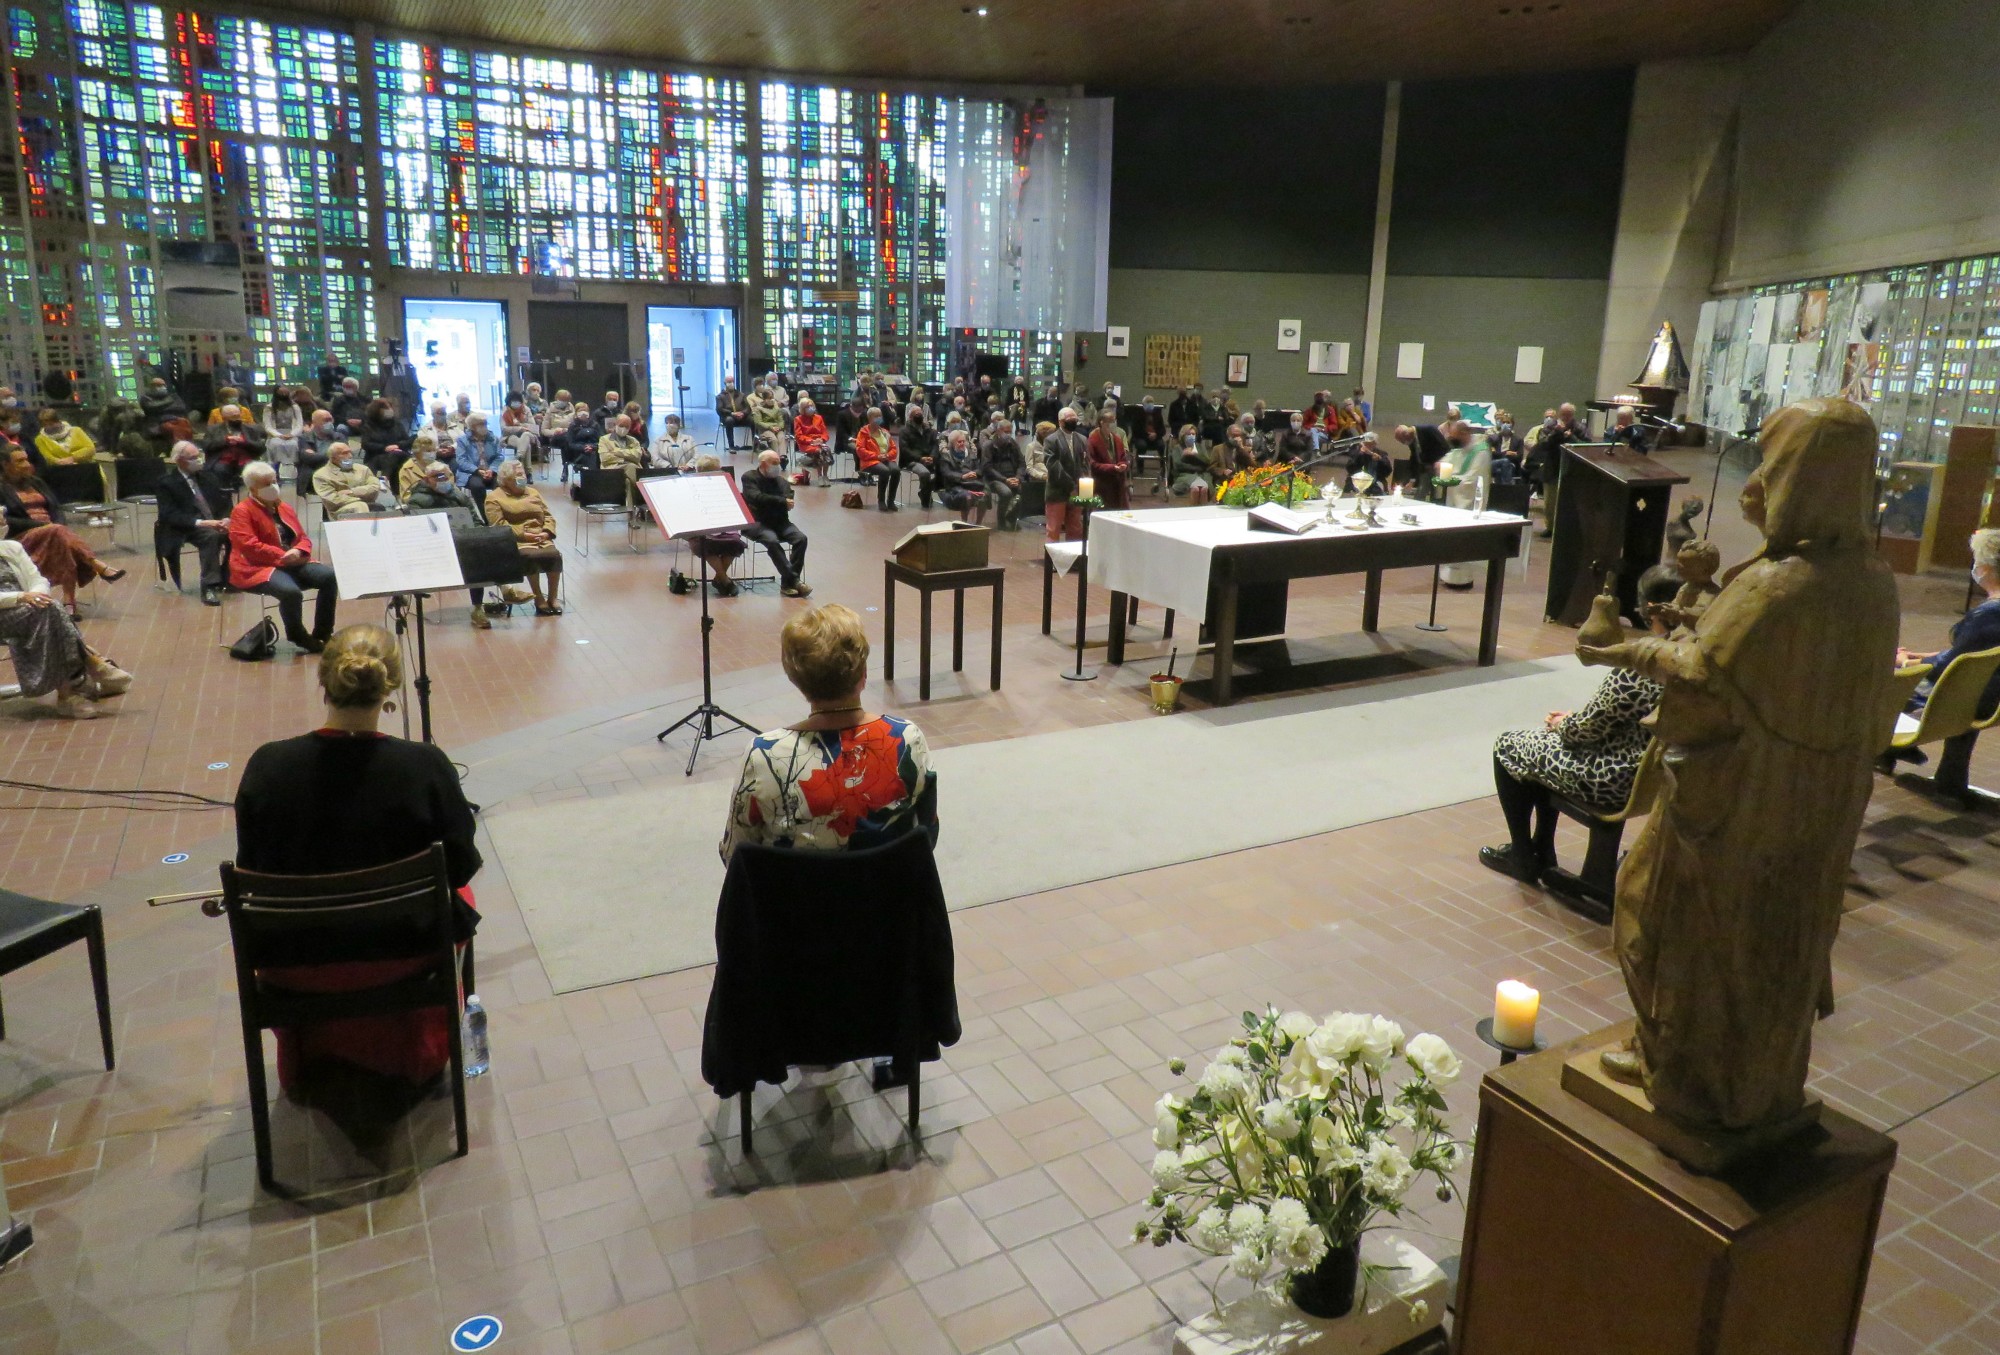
(1327, 454)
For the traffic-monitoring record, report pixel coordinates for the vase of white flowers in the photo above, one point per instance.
(1298, 1137)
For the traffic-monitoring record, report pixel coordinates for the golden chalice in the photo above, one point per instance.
(1360, 482)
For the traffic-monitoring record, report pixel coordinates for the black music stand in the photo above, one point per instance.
(691, 507)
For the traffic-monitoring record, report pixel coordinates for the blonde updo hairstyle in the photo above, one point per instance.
(360, 667)
(825, 652)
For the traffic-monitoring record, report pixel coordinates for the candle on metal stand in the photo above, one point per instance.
(1086, 487)
(1515, 1005)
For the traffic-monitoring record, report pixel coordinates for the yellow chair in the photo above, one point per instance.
(1950, 715)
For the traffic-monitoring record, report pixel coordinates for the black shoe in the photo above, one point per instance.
(311, 644)
(210, 598)
(1507, 863)
(726, 588)
(1458, 587)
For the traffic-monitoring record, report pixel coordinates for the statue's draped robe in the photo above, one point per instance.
(1773, 713)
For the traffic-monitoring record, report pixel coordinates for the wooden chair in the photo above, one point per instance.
(1950, 716)
(31, 928)
(401, 911)
(1591, 891)
(826, 958)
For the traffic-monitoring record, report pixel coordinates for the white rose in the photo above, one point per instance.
(1224, 1082)
(1300, 1074)
(1296, 1025)
(1338, 1038)
(1246, 1223)
(1169, 1104)
(1167, 1132)
(1387, 1169)
(1380, 1041)
(1433, 1058)
(1167, 1172)
(1248, 1262)
(1280, 1121)
(1210, 1231)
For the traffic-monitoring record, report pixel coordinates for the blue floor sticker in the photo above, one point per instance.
(475, 1333)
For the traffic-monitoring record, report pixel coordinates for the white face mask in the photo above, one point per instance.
(267, 493)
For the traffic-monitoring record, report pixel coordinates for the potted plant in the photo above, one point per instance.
(1276, 483)
(1298, 1137)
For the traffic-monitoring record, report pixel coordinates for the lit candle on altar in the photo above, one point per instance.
(1086, 487)
(1515, 1005)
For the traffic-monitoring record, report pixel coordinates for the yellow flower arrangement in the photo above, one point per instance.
(1276, 483)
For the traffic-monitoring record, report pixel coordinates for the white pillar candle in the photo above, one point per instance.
(1086, 487)
(1515, 1005)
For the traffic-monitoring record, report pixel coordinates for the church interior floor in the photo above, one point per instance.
(606, 1206)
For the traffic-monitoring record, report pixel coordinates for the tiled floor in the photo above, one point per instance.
(605, 1205)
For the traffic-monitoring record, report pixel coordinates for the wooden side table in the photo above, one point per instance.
(954, 581)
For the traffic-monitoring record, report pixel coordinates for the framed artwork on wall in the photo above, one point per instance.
(1239, 369)
(1118, 341)
(1327, 357)
(1173, 360)
(1288, 335)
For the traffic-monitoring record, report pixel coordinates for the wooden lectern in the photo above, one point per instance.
(1611, 515)
(1582, 1236)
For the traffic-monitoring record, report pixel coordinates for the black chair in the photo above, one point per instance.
(601, 494)
(1510, 498)
(138, 485)
(78, 485)
(401, 911)
(825, 958)
(31, 928)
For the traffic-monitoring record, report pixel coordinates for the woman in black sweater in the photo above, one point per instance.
(348, 797)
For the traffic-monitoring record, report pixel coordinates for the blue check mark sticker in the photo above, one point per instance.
(475, 1333)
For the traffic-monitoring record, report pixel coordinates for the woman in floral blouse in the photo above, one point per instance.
(843, 776)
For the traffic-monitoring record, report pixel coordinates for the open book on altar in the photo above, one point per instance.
(1275, 517)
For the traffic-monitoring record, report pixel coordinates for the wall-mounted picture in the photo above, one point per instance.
(1288, 335)
(1239, 369)
(1118, 341)
(1327, 357)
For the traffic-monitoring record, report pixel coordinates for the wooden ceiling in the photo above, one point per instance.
(1101, 43)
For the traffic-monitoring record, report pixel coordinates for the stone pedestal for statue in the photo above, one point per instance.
(1585, 1235)
(1385, 1318)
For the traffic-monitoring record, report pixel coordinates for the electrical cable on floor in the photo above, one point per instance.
(165, 801)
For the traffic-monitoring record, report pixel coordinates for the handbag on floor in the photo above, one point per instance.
(259, 642)
(852, 499)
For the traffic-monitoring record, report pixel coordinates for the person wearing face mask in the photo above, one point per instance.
(579, 445)
(346, 488)
(812, 440)
(461, 410)
(674, 448)
(1193, 472)
(63, 443)
(158, 403)
(961, 486)
(520, 429)
(1111, 460)
(35, 519)
(1049, 406)
(423, 455)
(619, 450)
(48, 651)
(284, 429)
(1004, 471)
(1149, 430)
(477, 459)
(767, 416)
(1215, 417)
(1185, 410)
(875, 455)
(1509, 451)
(321, 432)
(732, 409)
(1367, 455)
(1320, 419)
(1295, 444)
(917, 451)
(270, 553)
(233, 444)
(556, 419)
(192, 506)
(517, 505)
(383, 441)
(1066, 456)
(438, 491)
(349, 407)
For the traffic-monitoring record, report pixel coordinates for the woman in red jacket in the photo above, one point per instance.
(810, 436)
(875, 454)
(270, 553)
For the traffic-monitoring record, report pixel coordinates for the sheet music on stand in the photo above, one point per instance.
(383, 556)
(695, 505)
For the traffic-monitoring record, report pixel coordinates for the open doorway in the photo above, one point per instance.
(699, 341)
(457, 348)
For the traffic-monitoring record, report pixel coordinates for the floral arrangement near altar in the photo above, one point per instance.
(1267, 484)
(1298, 1137)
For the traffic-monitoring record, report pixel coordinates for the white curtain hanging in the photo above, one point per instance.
(1028, 213)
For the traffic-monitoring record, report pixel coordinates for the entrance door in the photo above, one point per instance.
(456, 348)
(700, 343)
(582, 347)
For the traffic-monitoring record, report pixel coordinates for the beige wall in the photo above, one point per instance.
(1870, 137)
(1673, 208)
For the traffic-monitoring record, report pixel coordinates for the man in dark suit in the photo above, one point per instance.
(194, 507)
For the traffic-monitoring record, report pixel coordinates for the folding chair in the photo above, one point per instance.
(601, 494)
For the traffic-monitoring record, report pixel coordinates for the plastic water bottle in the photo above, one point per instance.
(478, 1057)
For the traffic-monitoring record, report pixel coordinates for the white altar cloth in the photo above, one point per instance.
(1162, 555)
